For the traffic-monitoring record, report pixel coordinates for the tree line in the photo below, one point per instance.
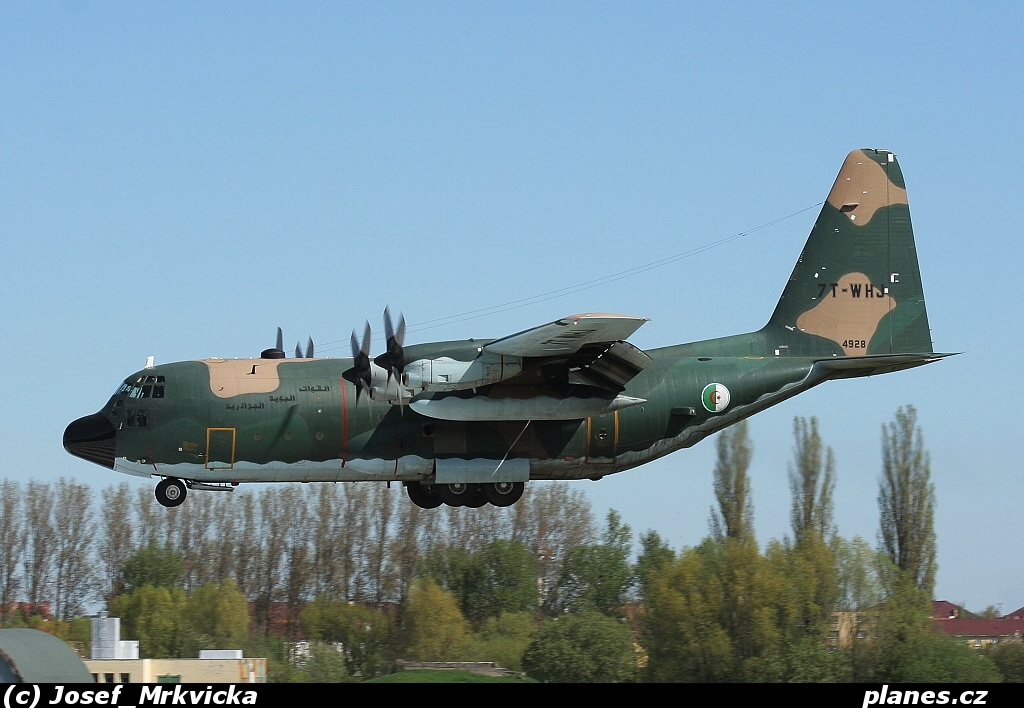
(286, 543)
(368, 579)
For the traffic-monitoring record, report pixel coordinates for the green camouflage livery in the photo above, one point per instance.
(468, 423)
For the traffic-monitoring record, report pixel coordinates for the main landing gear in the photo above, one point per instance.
(171, 491)
(431, 496)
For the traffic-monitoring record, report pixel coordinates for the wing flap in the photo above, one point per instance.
(612, 368)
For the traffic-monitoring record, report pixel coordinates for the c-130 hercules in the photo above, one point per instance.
(467, 423)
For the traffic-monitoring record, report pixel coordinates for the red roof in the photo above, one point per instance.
(943, 609)
(983, 627)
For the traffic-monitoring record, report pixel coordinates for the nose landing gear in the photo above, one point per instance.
(171, 491)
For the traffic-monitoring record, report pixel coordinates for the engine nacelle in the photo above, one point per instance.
(446, 374)
(440, 375)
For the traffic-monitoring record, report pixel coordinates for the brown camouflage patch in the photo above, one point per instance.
(233, 377)
(848, 321)
(862, 188)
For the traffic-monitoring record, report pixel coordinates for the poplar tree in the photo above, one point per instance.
(906, 501)
(12, 545)
(734, 517)
(812, 483)
(811, 558)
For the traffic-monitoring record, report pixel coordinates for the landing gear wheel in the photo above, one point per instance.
(423, 495)
(477, 500)
(504, 493)
(170, 491)
(456, 494)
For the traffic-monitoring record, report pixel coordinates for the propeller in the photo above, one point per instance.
(277, 352)
(309, 350)
(393, 360)
(360, 374)
(366, 373)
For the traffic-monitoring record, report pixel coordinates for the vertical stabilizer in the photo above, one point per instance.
(856, 288)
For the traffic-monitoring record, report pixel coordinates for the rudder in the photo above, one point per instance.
(856, 288)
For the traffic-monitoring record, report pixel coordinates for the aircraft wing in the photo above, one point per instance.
(592, 346)
(567, 335)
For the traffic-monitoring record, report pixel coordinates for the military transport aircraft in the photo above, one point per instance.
(468, 423)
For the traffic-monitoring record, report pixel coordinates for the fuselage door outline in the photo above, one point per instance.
(220, 448)
(602, 438)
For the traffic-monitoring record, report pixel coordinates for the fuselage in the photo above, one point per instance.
(259, 420)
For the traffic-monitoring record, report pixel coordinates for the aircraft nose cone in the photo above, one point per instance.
(92, 438)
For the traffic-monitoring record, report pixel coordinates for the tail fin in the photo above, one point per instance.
(856, 288)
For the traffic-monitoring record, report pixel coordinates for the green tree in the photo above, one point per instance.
(464, 575)
(714, 615)
(906, 501)
(503, 639)
(909, 649)
(218, 615)
(806, 597)
(654, 555)
(155, 616)
(734, 516)
(810, 562)
(685, 638)
(812, 483)
(364, 633)
(587, 647)
(435, 627)
(859, 583)
(598, 576)
(154, 565)
(324, 663)
(1009, 659)
(510, 577)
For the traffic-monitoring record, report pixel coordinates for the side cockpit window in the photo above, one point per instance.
(143, 387)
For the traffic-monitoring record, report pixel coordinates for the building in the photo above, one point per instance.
(106, 639)
(117, 661)
(201, 670)
(979, 633)
(846, 626)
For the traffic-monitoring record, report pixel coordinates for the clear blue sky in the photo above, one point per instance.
(180, 179)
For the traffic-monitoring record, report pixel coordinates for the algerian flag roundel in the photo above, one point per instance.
(715, 397)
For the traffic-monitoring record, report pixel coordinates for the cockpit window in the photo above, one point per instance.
(151, 386)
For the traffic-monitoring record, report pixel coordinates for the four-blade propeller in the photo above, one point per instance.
(392, 361)
(277, 352)
(360, 374)
(309, 350)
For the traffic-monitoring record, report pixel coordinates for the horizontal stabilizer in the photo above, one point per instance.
(852, 367)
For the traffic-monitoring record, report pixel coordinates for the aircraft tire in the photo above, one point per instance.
(456, 494)
(504, 493)
(171, 492)
(423, 495)
(477, 500)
